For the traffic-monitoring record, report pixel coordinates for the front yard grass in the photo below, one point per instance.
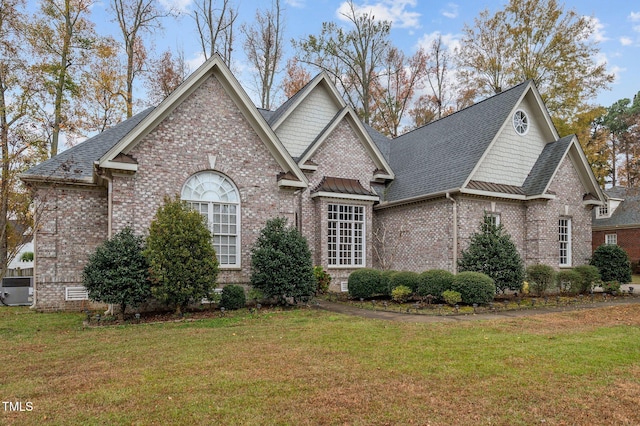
(313, 367)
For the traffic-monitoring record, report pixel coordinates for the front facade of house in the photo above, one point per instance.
(360, 199)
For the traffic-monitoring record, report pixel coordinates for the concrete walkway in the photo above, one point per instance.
(417, 318)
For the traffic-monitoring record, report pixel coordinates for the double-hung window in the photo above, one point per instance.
(564, 240)
(346, 235)
(216, 198)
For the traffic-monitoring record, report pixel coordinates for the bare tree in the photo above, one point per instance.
(215, 27)
(166, 74)
(352, 58)
(263, 46)
(395, 89)
(135, 17)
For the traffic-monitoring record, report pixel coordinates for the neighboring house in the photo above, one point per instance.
(618, 221)
(360, 199)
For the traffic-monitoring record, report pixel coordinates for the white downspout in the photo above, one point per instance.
(455, 232)
(109, 310)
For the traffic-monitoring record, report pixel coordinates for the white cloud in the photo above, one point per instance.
(626, 41)
(176, 5)
(636, 28)
(598, 34)
(296, 3)
(451, 11)
(634, 16)
(386, 10)
(197, 60)
(451, 41)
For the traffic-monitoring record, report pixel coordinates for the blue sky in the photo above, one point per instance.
(415, 22)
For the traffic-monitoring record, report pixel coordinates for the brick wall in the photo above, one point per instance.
(628, 239)
(72, 223)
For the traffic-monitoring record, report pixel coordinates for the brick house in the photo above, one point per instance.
(360, 199)
(618, 221)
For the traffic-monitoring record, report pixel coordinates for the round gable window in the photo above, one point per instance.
(521, 122)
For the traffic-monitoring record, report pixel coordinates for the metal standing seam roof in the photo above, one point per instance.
(76, 163)
(627, 213)
(341, 186)
(441, 155)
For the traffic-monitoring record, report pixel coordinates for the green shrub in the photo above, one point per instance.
(590, 277)
(474, 287)
(610, 286)
(323, 279)
(182, 262)
(612, 263)
(401, 294)
(407, 279)
(386, 285)
(365, 283)
(117, 272)
(541, 278)
(434, 282)
(492, 252)
(569, 282)
(451, 297)
(281, 264)
(233, 297)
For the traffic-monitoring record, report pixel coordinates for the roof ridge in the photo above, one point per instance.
(466, 108)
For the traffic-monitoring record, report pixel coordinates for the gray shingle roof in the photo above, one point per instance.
(440, 156)
(76, 163)
(546, 165)
(382, 142)
(627, 213)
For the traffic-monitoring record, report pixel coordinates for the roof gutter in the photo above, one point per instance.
(416, 199)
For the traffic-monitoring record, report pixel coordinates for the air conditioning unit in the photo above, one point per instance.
(16, 291)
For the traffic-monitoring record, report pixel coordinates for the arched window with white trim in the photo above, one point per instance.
(216, 198)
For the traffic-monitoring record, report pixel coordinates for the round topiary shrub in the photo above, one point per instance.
(590, 277)
(541, 278)
(451, 297)
(434, 282)
(365, 283)
(233, 297)
(474, 287)
(401, 294)
(569, 282)
(407, 279)
(612, 262)
(386, 285)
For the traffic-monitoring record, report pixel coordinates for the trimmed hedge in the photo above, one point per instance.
(474, 287)
(406, 279)
(233, 297)
(434, 282)
(401, 294)
(365, 283)
(590, 277)
(541, 278)
(386, 287)
(569, 282)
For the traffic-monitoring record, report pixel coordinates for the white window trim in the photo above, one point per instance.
(611, 239)
(227, 266)
(567, 261)
(603, 215)
(526, 117)
(352, 258)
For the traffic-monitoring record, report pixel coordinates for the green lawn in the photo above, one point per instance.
(635, 279)
(314, 367)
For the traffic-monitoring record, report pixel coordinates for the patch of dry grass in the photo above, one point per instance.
(318, 368)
